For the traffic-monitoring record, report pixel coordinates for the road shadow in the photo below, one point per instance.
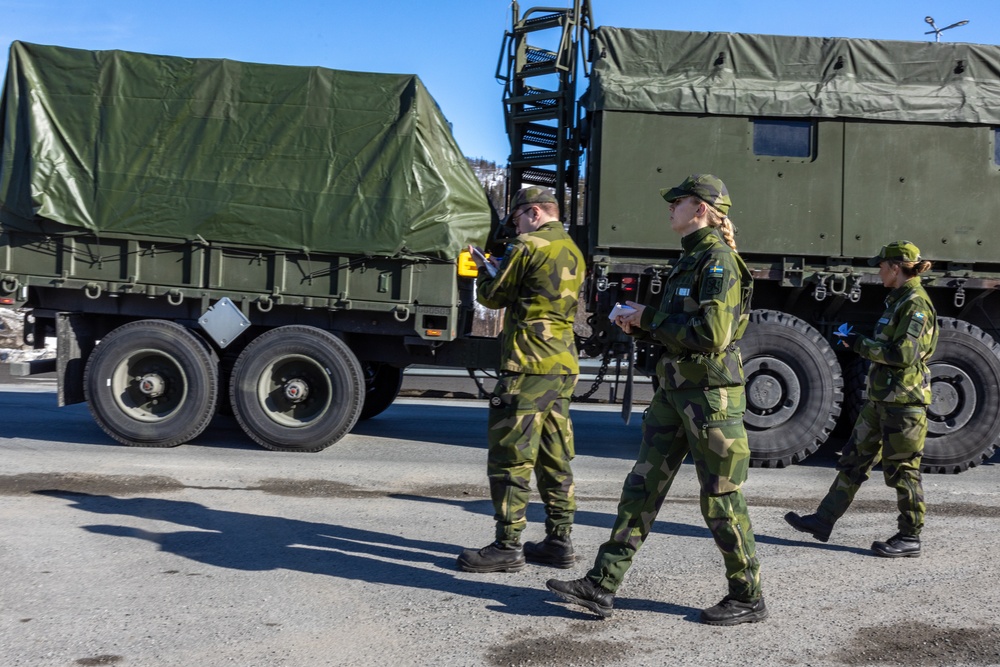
(255, 543)
(38, 416)
(596, 433)
(583, 517)
(536, 517)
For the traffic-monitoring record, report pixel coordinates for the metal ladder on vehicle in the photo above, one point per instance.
(540, 100)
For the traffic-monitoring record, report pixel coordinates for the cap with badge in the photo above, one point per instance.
(529, 195)
(706, 187)
(903, 251)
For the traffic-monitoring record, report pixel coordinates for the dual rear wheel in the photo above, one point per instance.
(296, 388)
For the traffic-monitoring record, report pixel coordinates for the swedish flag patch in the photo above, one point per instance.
(713, 280)
(917, 322)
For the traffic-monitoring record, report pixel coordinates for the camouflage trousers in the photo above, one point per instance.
(708, 424)
(893, 434)
(530, 430)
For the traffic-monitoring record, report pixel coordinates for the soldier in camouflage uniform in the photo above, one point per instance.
(697, 409)
(529, 426)
(893, 421)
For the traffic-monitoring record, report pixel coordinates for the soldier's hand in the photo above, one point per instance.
(477, 256)
(631, 320)
(844, 336)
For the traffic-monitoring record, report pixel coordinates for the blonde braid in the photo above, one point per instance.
(725, 225)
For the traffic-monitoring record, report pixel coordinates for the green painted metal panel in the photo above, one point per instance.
(935, 185)
(787, 205)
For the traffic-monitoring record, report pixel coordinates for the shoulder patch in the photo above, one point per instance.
(917, 322)
(713, 280)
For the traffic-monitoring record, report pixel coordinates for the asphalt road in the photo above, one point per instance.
(221, 553)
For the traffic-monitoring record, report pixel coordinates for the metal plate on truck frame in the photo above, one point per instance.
(224, 322)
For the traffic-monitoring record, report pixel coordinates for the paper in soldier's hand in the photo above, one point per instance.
(619, 309)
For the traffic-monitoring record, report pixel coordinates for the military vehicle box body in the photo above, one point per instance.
(830, 148)
(146, 188)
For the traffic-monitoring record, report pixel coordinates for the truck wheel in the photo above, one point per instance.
(963, 420)
(297, 389)
(152, 383)
(382, 383)
(794, 388)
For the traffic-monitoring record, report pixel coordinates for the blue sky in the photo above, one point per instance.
(452, 45)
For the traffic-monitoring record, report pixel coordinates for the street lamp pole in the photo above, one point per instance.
(937, 31)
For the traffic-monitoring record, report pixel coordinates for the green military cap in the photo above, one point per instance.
(904, 251)
(533, 195)
(710, 189)
(530, 195)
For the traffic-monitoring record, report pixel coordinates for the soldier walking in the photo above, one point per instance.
(697, 409)
(893, 422)
(529, 426)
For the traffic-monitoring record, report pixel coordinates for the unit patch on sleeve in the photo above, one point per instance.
(916, 324)
(713, 280)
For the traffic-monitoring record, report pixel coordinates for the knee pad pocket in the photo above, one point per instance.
(724, 455)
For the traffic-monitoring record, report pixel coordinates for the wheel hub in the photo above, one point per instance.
(773, 392)
(152, 385)
(296, 390)
(953, 399)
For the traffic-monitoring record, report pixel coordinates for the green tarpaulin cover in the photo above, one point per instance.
(771, 75)
(300, 158)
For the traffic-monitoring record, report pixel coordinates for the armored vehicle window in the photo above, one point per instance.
(996, 145)
(783, 138)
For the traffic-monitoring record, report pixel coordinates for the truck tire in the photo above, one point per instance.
(297, 389)
(152, 383)
(382, 383)
(794, 388)
(963, 420)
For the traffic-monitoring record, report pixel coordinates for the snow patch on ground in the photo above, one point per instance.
(12, 346)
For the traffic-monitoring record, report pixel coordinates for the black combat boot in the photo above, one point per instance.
(898, 546)
(733, 612)
(555, 550)
(492, 558)
(810, 523)
(586, 593)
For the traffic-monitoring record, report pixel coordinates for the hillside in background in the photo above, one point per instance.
(493, 179)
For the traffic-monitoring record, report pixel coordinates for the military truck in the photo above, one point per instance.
(283, 241)
(830, 148)
(201, 234)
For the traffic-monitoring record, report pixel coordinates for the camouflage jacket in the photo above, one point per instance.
(905, 338)
(704, 311)
(538, 283)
